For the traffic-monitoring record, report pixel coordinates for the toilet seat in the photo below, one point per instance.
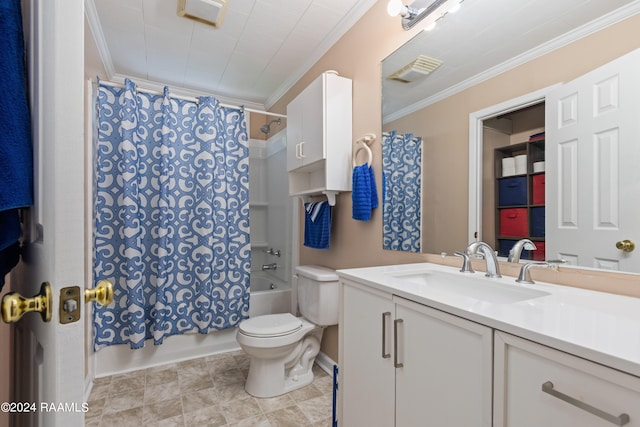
(271, 325)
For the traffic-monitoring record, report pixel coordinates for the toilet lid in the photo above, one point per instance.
(271, 325)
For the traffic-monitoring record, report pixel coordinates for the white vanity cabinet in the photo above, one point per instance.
(405, 364)
(552, 356)
(319, 134)
(539, 386)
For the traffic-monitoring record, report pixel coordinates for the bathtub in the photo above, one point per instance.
(268, 295)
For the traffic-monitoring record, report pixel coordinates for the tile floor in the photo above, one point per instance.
(204, 392)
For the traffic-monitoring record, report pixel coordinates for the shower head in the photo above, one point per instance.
(266, 129)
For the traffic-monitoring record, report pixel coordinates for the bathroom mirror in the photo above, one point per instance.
(465, 57)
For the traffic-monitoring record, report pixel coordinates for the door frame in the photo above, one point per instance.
(476, 145)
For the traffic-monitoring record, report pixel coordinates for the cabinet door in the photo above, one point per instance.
(305, 126)
(445, 378)
(312, 108)
(539, 386)
(294, 134)
(367, 376)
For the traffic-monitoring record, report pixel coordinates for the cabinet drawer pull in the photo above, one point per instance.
(395, 344)
(385, 355)
(301, 151)
(620, 420)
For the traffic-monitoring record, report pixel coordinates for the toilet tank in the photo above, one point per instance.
(318, 294)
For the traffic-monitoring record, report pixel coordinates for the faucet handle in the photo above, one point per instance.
(525, 274)
(466, 262)
(553, 263)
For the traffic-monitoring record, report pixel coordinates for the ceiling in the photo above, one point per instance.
(264, 46)
(261, 49)
(487, 37)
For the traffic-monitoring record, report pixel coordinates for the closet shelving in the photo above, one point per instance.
(520, 204)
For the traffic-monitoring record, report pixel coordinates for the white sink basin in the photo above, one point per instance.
(472, 286)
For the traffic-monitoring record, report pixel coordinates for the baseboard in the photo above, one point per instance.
(325, 363)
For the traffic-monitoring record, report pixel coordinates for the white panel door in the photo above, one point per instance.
(445, 377)
(593, 178)
(50, 356)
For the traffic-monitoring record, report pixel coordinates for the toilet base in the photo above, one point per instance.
(267, 381)
(271, 378)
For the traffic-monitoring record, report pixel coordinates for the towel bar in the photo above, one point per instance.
(331, 197)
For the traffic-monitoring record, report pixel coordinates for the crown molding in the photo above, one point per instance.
(91, 13)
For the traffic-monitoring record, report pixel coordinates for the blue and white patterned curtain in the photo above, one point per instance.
(401, 192)
(171, 216)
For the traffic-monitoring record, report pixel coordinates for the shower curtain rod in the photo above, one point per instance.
(193, 99)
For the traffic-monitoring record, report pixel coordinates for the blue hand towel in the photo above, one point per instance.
(364, 196)
(16, 168)
(317, 225)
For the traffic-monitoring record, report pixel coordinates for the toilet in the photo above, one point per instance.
(283, 347)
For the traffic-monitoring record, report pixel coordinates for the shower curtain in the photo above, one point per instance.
(171, 216)
(401, 192)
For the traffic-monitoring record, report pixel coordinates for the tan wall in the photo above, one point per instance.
(445, 125)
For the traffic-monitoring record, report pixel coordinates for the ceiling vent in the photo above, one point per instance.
(210, 12)
(420, 67)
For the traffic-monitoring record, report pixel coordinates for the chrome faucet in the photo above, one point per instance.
(516, 251)
(272, 266)
(493, 270)
(272, 251)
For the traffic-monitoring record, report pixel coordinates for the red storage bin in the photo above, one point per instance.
(514, 222)
(538, 189)
(539, 254)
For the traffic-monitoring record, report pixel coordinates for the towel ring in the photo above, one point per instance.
(369, 155)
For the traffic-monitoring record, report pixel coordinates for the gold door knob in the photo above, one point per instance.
(14, 305)
(102, 293)
(626, 245)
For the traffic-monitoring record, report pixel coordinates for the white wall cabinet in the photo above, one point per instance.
(539, 386)
(405, 364)
(319, 134)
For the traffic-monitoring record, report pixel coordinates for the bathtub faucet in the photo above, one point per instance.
(272, 251)
(272, 266)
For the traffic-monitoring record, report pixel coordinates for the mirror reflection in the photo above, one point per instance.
(462, 67)
(402, 192)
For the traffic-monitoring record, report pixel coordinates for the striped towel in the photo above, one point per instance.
(317, 225)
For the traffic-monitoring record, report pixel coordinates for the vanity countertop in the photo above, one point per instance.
(598, 326)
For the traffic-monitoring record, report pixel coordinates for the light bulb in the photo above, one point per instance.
(394, 7)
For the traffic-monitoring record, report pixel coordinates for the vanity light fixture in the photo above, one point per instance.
(210, 12)
(395, 8)
(429, 11)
